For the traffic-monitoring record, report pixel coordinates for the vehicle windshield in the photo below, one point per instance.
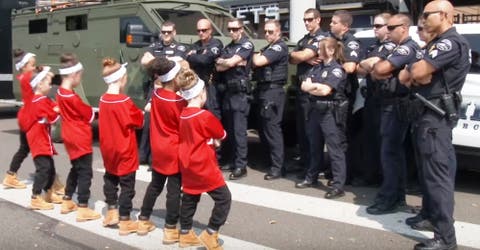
(474, 40)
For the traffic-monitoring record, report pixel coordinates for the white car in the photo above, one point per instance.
(466, 135)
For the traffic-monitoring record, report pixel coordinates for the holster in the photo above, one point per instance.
(322, 106)
(340, 113)
(236, 86)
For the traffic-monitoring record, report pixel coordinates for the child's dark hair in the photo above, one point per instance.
(187, 79)
(159, 66)
(18, 54)
(68, 60)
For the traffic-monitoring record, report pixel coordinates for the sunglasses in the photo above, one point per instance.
(378, 26)
(270, 32)
(426, 14)
(166, 32)
(309, 20)
(420, 28)
(233, 29)
(202, 30)
(392, 27)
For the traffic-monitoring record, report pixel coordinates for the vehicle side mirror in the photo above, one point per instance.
(136, 37)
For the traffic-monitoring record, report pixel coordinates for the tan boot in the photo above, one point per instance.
(68, 206)
(210, 241)
(38, 203)
(145, 226)
(189, 239)
(112, 218)
(85, 214)
(11, 181)
(170, 236)
(58, 186)
(127, 226)
(52, 197)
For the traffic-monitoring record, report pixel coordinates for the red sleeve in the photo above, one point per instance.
(213, 127)
(46, 111)
(136, 115)
(84, 110)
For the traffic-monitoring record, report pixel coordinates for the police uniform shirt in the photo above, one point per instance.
(331, 74)
(381, 50)
(449, 54)
(309, 42)
(277, 57)
(404, 54)
(243, 48)
(174, 49)
(352, 48)
(202, 61)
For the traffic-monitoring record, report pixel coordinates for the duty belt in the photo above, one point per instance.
(269, 85)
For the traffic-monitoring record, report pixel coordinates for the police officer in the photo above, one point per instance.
(168, 47)
(394, 123)
(439, 78)
(271, 70)
(305, 57)
(325, 84)
(234, 63)
(371, 115)
(340, 29)
(202, 58)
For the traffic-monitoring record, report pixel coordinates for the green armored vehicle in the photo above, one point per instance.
(116, 28)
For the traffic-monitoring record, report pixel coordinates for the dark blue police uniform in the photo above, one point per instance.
(323, 124)
(202, 61)
(393, 130)
(309, 41)
(449, 54)
(236, 105)
(156, 49)
(371, 116)
(271, 99)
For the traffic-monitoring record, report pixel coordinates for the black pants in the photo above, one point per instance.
(21, 153)
(223, 201)
(439, 166)
(145, 150)
(110, 189)
(44, 173)
(80, 176)
(271, 105)
(236, 108)
(213, 101)
(301, 109)
(174, 194)
(371, 118)
(393, 158)
(321, 129)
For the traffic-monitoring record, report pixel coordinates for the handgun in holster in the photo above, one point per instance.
(340, 112)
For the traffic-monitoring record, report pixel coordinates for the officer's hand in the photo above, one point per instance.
(148, 107)
(146, 58)
(307, 85)
(56, 109)
(217, 143)
(405, 78)
(314, 61)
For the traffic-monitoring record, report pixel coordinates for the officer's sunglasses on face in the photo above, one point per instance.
(420, 28)
(202, 30)
(167, 32)
(269, 32)
(426, 14)
(234, 29)
(308, 20)
(392, 27)
(378, 26)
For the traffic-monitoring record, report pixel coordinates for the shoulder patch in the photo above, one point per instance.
(181, 48)
(152, 45)
(444, 45)
(215, 50)
(276, 47)
(320, 37)
(419, 55)
(324, 74)
(354, 45)
(403, 50)
(390, 46)
(337, 72)
(247, 45)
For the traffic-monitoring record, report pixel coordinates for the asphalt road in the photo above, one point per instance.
(264, 214)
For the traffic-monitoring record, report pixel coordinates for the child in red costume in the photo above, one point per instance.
(118, 120)
(77, 138)
(43, 112)
(25, 63)
(166, 106)
(200, 133)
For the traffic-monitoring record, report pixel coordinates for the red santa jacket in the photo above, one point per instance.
(76, 119)
(198, 163)
(118, 117)
(25, 121)
(38, 135)
(164, 122)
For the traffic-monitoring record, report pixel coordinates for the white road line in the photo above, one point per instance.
(151, 241)
(6, 77)
(467, 233)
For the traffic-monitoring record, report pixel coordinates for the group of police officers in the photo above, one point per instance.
(410, 92)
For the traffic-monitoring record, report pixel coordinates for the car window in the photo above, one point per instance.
(474, 40)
